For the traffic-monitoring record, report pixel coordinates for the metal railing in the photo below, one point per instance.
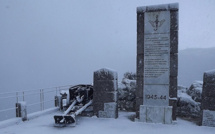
(37, 100)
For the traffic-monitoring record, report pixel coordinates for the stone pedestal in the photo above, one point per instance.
(157, 60)
(21, 110)
(208, 99)
(156, 114)
(105, 99)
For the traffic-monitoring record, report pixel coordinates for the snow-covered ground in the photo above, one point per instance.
(93, 125)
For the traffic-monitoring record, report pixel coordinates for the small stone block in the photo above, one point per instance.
(102, 114)
(111, 109)
(110, 106)
(208, 118)
(155, 114)
(142, 113)
(168, 115)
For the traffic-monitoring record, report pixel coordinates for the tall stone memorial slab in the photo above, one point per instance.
(157, 63)
(105, 94)
(208, 99)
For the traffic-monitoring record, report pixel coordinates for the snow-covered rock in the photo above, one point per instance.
(195, 91)
(186, 106)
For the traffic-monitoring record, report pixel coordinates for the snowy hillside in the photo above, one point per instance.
(193, 63)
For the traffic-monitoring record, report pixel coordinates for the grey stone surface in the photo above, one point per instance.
(105, 93)
(110, 111)
(140, 21)
(173, 87)
(168, 115)
(143, 113)
(105, 74)
(159, 47)
(156, 95)
(156, 114)
(102, 114)
(105, 97)
(97, 106)
(173, 65)
(149, 22)
(209, 90)
(139, 89)
(139, 101)
(174, 20)
(209, 76)
(140, 48)
(140, 65)
(173, 103)
(208, 99)
(173, 42)
(105, 85)
(208, 118)
(208, 103)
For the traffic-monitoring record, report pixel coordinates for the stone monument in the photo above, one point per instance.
(105, 94)
(208, 99)
(157, 63)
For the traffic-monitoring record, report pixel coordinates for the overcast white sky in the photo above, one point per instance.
(47, 43)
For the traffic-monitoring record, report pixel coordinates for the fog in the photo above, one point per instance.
(48, 43)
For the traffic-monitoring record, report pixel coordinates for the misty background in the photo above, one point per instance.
(47, 43)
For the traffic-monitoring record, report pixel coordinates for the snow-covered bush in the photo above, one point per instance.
(188, 101)
(126, 89)
(130, 75)
(195, 91)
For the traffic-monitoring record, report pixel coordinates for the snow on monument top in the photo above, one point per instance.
(210, 72)
(105, 74)
(209, 76)
(162, 7)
